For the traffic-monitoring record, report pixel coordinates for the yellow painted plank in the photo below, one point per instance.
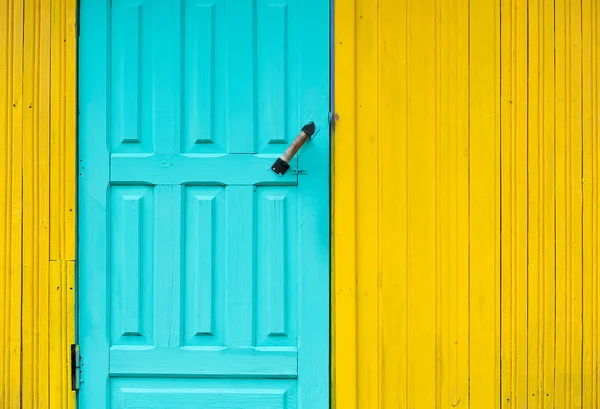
(367, 186)
(596, 204)
(573, 196)
(43, 192)
(69, 330)
(458, 395)
(590, 202)
(56, 350)
(422, 272)
(5, 132)
(562, 370)
(29, 358)
(57, 132)
(393, 240)
(15, 150)
(514, 203)
(534, 204)
(484, 223)
(344, 307)
(547, 240)
(70, 112)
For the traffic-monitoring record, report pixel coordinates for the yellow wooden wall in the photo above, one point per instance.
(37, 202)
(550, 174)
(465, 238)
(416, 214)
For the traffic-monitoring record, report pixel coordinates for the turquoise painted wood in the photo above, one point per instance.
(203, 277)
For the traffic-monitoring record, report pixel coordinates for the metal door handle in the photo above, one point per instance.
(282, 164)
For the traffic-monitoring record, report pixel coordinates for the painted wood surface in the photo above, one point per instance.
(416, 204)
(204, 277)
(548, 200)
(37, 200)
(550, 223)
(465, 221)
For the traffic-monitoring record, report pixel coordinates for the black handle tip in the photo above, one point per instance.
(280, 166)
(309, 129)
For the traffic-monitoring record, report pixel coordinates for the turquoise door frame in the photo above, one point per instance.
(203, 277)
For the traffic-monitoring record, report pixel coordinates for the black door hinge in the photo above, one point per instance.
(75, 367)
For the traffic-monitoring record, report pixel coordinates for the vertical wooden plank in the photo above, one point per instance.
(441, 224)
(547, 191)
(561, 371)
(313, 208)
(344, 212)
(167, 265)
(93, 201)
(69, 332)
(534, 202)
(421, 153)
(56, 358)
(588, 100)
(240, 265)
(484, 206)
(596, 195)
(29, 209)
(43, 193)
(574, 203)
(15, 150)
(70, 150)
(596, 205)
(458, 120)
(392, 192)
(514, 203)
(367, 189)
(57, 133)
(5, 132)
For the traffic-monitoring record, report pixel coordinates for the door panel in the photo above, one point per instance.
(214, 394)
(192, 288)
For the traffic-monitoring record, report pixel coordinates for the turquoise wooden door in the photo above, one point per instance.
(203, 276)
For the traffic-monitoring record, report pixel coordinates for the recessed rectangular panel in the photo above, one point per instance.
(276, 74)
(204, 80)
(203, 290)
(166, 61)
(277, 258)
(127, 59)
(131, 265)
(168, 249)
(240, 266)
(204, 393)
(240, 34)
